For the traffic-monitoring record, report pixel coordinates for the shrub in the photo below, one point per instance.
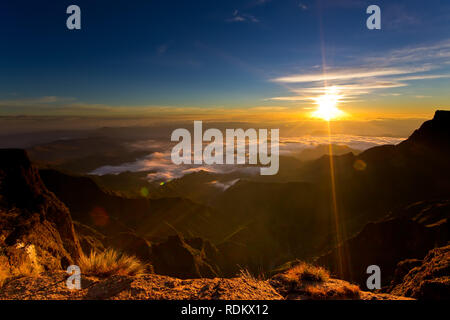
(110, 262)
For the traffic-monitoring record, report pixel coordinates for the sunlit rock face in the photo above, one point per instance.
(36, 230)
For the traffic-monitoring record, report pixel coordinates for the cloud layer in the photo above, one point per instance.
(161, 167)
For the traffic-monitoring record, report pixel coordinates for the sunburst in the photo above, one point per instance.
(327, 105)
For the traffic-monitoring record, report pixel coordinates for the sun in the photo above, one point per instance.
(327, 105)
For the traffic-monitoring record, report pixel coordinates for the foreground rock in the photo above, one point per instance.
(430, 279)
(51, 286)
(36, 230)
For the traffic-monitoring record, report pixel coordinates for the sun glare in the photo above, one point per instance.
(327, 105)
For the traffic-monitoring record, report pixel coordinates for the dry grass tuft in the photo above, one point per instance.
(343, 291)
(246, 274)
(23, 270)
(307, 272)
(110, 262)
(306, 281)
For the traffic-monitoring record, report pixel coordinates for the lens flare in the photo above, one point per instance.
(99, 216)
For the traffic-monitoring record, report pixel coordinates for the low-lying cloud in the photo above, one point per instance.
(161, 168)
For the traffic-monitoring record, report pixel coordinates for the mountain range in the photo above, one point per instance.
(392, 209)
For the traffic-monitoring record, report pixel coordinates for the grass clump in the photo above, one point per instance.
(247, 275)
(307, 272)
(110, 262)
(306, 281)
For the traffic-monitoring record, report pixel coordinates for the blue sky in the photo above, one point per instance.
(223, 54)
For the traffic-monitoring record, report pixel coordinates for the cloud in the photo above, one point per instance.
(292, 145)
(303, 6)
(393, 69)
(347, 91)
(426, 53)
(399, 16)
(242, 17)
(161, 168)
(347, 74)
(423, 77)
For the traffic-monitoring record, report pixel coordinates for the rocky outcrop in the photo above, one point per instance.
(36, 230)
(429, 280)
(403, 267)
(407, 233)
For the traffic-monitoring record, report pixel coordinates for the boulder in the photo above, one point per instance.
(430, 280)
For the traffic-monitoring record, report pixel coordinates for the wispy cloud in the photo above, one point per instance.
(394, 69)
(162, 168)
(347, 74)
(292, 145)
(434, 53)
(423, 77)
(303, 6)
(399, 16)
(242, 17)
